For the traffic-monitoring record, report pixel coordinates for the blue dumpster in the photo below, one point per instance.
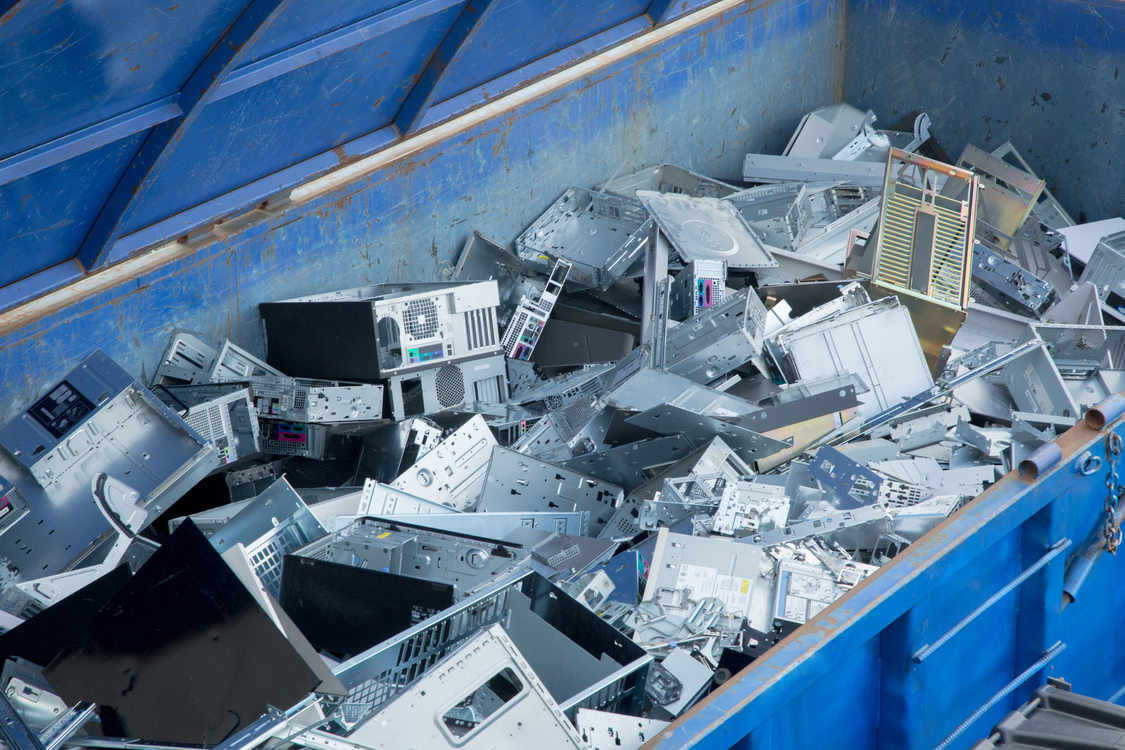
(167, 165)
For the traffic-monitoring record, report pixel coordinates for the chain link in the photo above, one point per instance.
(1110, 532)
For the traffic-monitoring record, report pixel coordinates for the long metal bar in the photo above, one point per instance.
(318, 48)
(456, 41)
(657, 253)
(161, 141)
(985, 707)
(938, 391)
(13, 732)
(113, 743)
(926, 651)
(87, 139)
(55, 735)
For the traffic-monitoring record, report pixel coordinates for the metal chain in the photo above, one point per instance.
(1110, 532)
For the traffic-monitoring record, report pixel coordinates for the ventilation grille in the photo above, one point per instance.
(207, 422)
(755, 314)
(266, 557)
(799, 216)
(488, 390)
(1078, 346)
(481, 327)
(417, 653)
(574, 417)
(897, 249)
(420, 319)
(450, 386)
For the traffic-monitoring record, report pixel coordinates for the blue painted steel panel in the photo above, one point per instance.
(246, 136)
(197, 92)
(66, 65)
(520, 31)
(457, 40)
(87, 139)
(1041, 74)
(920, 699)
(683, 100)
(803, 721)
(44, 216)
(252, 194)
(306, 19)
(29, 287)
(451, 107)
(663, 11)
(703, 99)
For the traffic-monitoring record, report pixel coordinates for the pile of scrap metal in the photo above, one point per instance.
(558, 499)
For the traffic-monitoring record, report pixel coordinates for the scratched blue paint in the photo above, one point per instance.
(663, 11)
(306, 19)
(43, 217)
(247, 136)
(71, 74)
(443, 110)
(918, 700)
(66, 65)
(518, 31)
(1041, 74)
(703, 99)
(804, 722)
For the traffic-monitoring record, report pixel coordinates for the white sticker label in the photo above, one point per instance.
(734, 593)
(697, 580)
(701, 582)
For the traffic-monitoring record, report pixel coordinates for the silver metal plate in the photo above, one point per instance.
(453, 472)
(673, 420)
(516, 482)
(706, 229)
(484, 692)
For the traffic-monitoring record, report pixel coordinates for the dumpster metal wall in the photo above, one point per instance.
(700, 93)
(849, 679)
(702, 97)
(1044, 75)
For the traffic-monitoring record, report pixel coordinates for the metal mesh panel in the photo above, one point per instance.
(420, 319)
(1084, 346)
(450, 385)
(755, 314)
